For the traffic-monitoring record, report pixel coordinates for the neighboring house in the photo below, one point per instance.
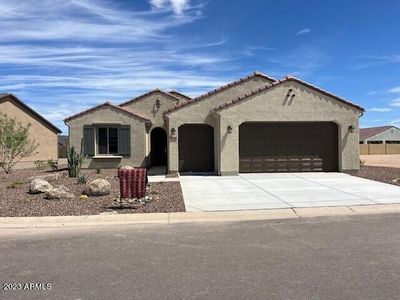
(380, 135)
(41, 130)
(254, 124)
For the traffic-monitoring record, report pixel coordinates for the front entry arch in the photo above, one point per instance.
(158, 144)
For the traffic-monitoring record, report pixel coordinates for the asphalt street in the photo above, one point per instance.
(355, 257)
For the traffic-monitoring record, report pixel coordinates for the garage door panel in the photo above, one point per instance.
(196, 148)
(288, 147)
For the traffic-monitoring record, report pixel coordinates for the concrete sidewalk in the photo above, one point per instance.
(192, 217)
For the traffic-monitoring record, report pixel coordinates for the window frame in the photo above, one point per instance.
(97, 139)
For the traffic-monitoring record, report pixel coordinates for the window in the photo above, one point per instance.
(375, 142)
(107, 140)
(392, 142)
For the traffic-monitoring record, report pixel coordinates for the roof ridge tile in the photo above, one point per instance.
(107, 103)
(285, 79)
(156, 90)
(221, 88)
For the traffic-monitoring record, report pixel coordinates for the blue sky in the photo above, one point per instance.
(61, 57)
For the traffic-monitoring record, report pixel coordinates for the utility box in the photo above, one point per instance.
(132, 183)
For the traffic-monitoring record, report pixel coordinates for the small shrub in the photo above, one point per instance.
(53, 164)
(16, 184)
(362, 162)
(40, 164)
(81, 179)
(15, 143)
(98, 171)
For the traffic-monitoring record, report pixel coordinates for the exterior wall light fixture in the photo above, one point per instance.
(229, 129)
(173, 131)
(352, 128)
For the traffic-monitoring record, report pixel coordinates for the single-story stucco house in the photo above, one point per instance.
(380, 135)
(44, 133)
(254, 124)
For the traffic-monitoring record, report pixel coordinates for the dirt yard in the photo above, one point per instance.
(389, 160)
(16, 201)
(382, 174)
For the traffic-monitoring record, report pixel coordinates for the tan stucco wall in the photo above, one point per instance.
(46, 138)
(270, 105)
(108, 115)
(200, 113)
(146, 106)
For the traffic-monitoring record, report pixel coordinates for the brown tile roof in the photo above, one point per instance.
(219, 89)
(31, 111)
(287, 78)
(123, 109)
(176, 93)
(371, 131)
(148, 94)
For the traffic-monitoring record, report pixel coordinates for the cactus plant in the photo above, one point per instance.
(75, 161)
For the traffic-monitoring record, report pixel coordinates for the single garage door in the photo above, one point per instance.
(196, 148)
(288, 147)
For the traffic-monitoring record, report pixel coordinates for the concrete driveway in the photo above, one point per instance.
(282, 190)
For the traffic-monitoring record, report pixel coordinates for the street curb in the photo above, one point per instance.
(193, 217)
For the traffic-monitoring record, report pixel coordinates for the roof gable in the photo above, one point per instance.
(108, 104)
(220, 89)
(31, 112)
(178, 94)
(366, 133)
(145, 95)
(287, 79)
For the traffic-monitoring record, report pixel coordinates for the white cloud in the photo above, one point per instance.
(158, 3)
(178, 6)
(395, 90)
(395, 102)
(80, 53)
(303, 31)
(96, 21)
(379, 109)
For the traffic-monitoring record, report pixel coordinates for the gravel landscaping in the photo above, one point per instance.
(382, 174)
(15, 201)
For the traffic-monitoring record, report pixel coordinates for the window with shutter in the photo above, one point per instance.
(88, 140)
(124, 140)
(115, 140)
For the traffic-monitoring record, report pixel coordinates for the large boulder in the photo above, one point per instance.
(59, 193)
(98, 187)
(38, 186)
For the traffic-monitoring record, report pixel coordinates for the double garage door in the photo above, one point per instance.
(288, 147)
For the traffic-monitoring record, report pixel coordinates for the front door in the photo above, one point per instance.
(158, 153)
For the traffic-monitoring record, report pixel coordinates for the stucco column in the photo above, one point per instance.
(229, 147)
(349, 145)
(173, 157)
